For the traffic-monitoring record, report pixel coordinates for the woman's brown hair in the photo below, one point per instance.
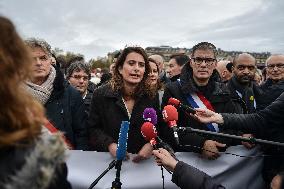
(144, 86)
(20, 115)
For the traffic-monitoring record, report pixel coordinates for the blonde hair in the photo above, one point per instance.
(20, 115)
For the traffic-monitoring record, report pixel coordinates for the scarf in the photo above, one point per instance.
(42, 92)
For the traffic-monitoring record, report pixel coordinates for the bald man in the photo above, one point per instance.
(224, 73)
(274, 85)
(272, 89)
(241, 84)
(160, 61)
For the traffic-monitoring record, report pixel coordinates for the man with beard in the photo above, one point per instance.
(241, 84)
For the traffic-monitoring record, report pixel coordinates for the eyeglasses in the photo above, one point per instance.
(208, 61)
(78, 77)
(278, 65)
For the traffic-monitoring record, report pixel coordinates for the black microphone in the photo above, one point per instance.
(175, 102)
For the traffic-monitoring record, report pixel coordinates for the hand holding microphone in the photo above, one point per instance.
(165, 159)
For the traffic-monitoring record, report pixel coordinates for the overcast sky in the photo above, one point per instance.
(94, 28)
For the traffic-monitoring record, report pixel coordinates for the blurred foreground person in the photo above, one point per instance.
(29, 159)
(184, 175)
(123, 99)
(267, 123)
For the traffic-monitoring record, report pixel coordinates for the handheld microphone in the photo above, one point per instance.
(120, 152)
(175, 102)
(149, 114)
(122, 141)
(149, 132)
(170, 116)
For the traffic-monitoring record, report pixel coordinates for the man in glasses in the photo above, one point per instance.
(64, 106)
(272, 89)
(199, 86)
(78, 74)
(274, 85)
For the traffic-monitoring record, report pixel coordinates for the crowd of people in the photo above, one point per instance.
(46, 110)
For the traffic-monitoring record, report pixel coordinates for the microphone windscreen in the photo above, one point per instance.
(148, 131)
(173, 101)
(122, 141)
(170, 113)
(149, 114)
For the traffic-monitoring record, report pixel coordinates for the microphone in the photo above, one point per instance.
(170, 116)
(122, 141)
(175, 102)
(149, 114)
(149, 132)
(120, 152)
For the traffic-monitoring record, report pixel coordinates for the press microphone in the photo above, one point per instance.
(120, 152)
(149, 114)
(149, 132)
(175, 102)
(170, 116)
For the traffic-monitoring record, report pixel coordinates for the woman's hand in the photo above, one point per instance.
(144, 153)
(163, 157)
(112, 148)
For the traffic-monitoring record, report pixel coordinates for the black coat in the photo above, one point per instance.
(270, 92)
(268, 124)
(186, 176)
(65, 109)
(247, 107)
(107, 113)
(217, 93)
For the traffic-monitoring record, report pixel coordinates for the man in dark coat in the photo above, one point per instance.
(64, 105)
(268, 122)
(78, 74)
(271, 90)
(274, 85)
(198, 79)
(241, 84)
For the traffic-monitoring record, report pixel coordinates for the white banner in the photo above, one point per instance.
(233, 172)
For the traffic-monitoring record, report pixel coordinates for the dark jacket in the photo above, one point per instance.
(66, 111)
(268, 124)
(107, 113)
(246, 101)
(215, 92)
(186, 176)
(33, 166)
(270, 92)
(89, 95)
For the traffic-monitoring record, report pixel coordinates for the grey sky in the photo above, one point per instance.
(94, 28)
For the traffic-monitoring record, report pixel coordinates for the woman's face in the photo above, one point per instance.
(154, 75)
(133, 69)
